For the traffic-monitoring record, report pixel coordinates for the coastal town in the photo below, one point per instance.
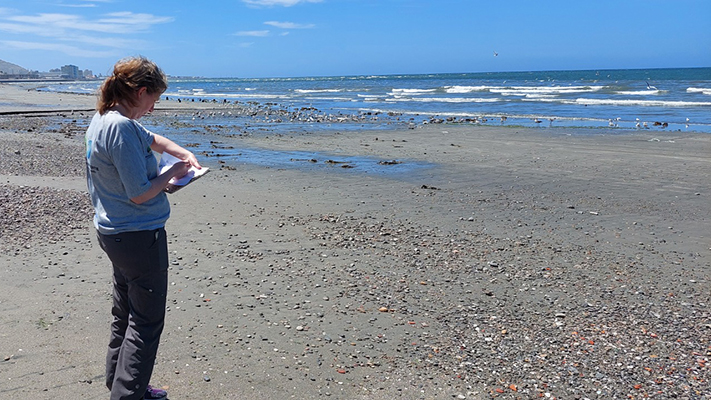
(12, 72)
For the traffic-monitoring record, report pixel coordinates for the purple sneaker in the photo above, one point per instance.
(153, 393)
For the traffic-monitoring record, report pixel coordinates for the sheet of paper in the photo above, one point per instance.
(167, 161)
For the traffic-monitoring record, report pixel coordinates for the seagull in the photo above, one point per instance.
(496, 54)
(650, 87)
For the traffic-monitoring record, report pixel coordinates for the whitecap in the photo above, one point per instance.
(524, 90)
(318, 90)
(643, 103)
(413, 92)
(705, 91)
(466, 89)
(445, 100)
(638, 92)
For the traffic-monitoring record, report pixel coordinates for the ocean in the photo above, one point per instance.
(676, 99)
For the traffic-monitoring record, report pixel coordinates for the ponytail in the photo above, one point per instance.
(129, 75)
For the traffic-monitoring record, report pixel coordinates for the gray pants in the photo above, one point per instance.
(140, 264)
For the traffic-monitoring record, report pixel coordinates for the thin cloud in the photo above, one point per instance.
(67, 33)
(134, 19)
(86, 3)
(285, 3)
(110, 23)
(63, 48)
(78, 5)
(289, 25)
(253, 33)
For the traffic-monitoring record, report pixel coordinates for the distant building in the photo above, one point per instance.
(88, 74)
(52, 74)
(71, 72)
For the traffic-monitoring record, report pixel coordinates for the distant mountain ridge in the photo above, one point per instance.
(11, 69)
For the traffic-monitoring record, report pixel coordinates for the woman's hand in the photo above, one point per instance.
(159, 183)
(179, 169)
(192, 160)
(162, 145)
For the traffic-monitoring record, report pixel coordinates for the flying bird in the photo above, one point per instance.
(650, 87)
(496, 54)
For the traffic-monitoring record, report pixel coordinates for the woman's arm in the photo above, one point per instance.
(159, 183)
(164, 145)
(179, 169)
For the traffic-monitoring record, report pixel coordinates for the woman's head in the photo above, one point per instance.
(130, 75)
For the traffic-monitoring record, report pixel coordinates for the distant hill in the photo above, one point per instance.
(11, 69)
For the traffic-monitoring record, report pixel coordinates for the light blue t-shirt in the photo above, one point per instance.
(119, 166)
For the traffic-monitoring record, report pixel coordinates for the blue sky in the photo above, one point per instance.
(278, 38)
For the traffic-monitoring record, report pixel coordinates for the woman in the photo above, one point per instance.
(131, 209)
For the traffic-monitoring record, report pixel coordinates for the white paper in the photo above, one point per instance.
(167, 161)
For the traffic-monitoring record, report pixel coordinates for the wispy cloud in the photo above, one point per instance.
(285, 3)
(121, 22)
(67, 32)
(289, 25)
(63, 48)
(85, 5)
(253, 33)
(135, 20)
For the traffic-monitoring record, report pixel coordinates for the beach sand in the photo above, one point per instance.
(515, 263)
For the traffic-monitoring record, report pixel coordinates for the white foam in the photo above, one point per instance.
(228, 95)
(638, 92)
(329, 98)
(706, 91)
(466, 89)
(541, 96)
(643, 103)
(318, 90)
(412, 92)
(444, 100)
(525, 90)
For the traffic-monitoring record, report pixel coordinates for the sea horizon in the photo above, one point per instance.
(442, 73)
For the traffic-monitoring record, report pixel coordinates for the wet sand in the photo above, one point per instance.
(521, 263)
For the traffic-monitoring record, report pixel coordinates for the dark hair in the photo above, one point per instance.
(130, 74)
